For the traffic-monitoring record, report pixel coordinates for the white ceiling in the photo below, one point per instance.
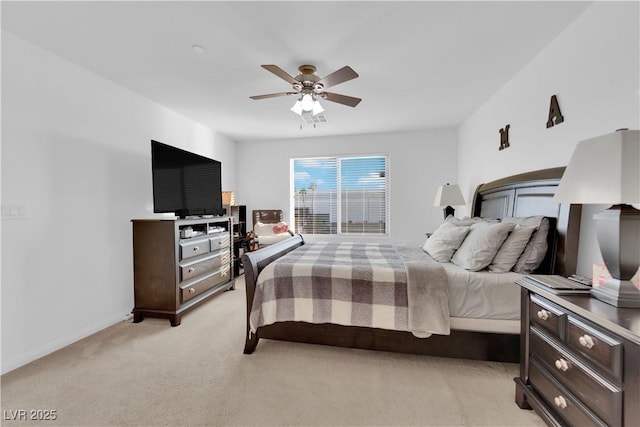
(421, 64)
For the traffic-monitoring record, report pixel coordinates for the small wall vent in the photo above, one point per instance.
(312, 120)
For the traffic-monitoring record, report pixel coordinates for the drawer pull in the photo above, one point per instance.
(191, 290)
(562, 364)
(543, 314)
(560, 402)
(191, 270)
(196, 248)
(586, 341)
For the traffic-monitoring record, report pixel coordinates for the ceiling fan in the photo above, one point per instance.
(308, 87)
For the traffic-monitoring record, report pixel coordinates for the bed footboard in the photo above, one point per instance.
(253, 263)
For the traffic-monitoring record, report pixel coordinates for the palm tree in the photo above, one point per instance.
(313, 187)
(303, 193)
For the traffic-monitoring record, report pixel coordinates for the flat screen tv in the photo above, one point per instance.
(185, 183)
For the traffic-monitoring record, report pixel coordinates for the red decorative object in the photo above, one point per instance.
(280, 228)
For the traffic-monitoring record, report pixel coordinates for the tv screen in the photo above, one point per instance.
(185, 183)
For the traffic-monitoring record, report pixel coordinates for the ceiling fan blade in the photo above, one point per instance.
(280, 73)
(272, 95)
(344, 74)
(341, 99)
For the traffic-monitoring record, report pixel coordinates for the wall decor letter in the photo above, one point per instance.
(504, 137)
(555, 116)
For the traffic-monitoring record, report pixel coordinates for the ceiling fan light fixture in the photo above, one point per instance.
(317, 108)
(307, 102)
(297, 108)
(309, 88)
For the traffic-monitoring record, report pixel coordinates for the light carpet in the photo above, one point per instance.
(150, 374)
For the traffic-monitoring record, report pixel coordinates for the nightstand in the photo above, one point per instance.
(579, 359)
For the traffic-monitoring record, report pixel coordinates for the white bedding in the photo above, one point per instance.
(494, 326)
(482, 294)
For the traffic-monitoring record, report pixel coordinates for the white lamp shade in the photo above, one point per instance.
(306, 102)
(297, 108)
(603, 170)
(228, 198)
(449, 195)
(317, 108)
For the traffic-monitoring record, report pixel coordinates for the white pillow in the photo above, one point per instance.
(481, 245)
(262, 229)
(511, 249)
(444, 241)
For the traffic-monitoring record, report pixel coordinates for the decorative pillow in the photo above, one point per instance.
(536, 249)
(444, 241)
(481, 245)
(262, 229)
(468, 221)
(281, 227)
(525, 221)
(511, 249)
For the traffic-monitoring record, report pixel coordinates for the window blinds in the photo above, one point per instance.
(340, 195)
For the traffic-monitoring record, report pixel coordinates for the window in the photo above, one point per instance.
(340, 195)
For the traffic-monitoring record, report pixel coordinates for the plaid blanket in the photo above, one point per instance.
(354, 284)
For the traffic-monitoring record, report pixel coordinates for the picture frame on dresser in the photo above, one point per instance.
(579, 359)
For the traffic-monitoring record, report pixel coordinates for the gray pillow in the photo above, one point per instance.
(525, 221)
(511, 249)
(481, 245)
(468, 221)
(536, 249)
(444, 241)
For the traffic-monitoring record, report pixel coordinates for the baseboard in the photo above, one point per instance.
(8, 366)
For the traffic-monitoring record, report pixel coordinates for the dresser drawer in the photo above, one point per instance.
(568, 406)
(219, 241)
(597, 346)
(548, 316)
(192, 248)
(199, 266)
(195, 288)
(602, 397)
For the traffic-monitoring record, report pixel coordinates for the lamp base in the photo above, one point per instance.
(619, 293)
(448, 211)
(618, 233)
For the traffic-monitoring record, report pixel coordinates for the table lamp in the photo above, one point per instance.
(228, 198)
(606, 170)
(449, 195)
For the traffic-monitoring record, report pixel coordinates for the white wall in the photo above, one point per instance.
(76, 151)
(593, 68)
(418, 162)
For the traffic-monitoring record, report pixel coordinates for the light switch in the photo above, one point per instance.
(14, 210)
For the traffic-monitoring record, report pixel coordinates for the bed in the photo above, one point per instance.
(471, 335)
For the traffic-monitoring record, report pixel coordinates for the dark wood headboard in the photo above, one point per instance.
(531, 194)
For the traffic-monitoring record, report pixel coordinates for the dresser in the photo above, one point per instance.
(179, 264)
(579, 359)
